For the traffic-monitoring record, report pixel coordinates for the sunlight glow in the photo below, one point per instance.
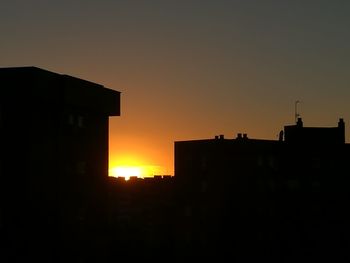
(126, 171)
(132, 167)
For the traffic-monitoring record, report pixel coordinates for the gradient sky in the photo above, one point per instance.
(191, 69)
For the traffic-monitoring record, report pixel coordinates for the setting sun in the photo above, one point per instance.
(126, 172)
(133, 171)
(131, 167)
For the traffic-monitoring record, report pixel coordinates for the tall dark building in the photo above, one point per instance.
(279, 200)
(299, 149)
(53, 154)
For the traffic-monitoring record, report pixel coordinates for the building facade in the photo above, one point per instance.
(53, 155)
(279, 200)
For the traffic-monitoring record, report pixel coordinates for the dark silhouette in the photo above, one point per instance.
(54, 161)
(280, 136)
(262, 200)
(239, 200)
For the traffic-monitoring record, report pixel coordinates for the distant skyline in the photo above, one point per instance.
(191, 69)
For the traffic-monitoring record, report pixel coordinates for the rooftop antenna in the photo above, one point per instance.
(296, 114)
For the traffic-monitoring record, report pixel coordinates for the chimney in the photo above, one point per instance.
(300, 123)
(221, 137)
(341, 128)
(245, 136)
(239, 136)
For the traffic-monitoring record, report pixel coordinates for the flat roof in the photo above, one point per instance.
(41, 85)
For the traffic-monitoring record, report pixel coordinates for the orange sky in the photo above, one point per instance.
(191, 69)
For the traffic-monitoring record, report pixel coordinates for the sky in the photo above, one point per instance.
(190, 69)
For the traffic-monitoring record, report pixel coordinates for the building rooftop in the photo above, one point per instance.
(39, 85)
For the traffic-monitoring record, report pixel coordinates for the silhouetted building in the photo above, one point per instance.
(239, 199)
(53, 156)
(310, 149)
(315, 135)
(142, 216)
(266, 199)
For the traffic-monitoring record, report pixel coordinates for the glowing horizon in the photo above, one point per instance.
(192, 72)
(130, 166)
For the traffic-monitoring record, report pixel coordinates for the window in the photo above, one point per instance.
(80, 121)
(71, 119)
(77, 121)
